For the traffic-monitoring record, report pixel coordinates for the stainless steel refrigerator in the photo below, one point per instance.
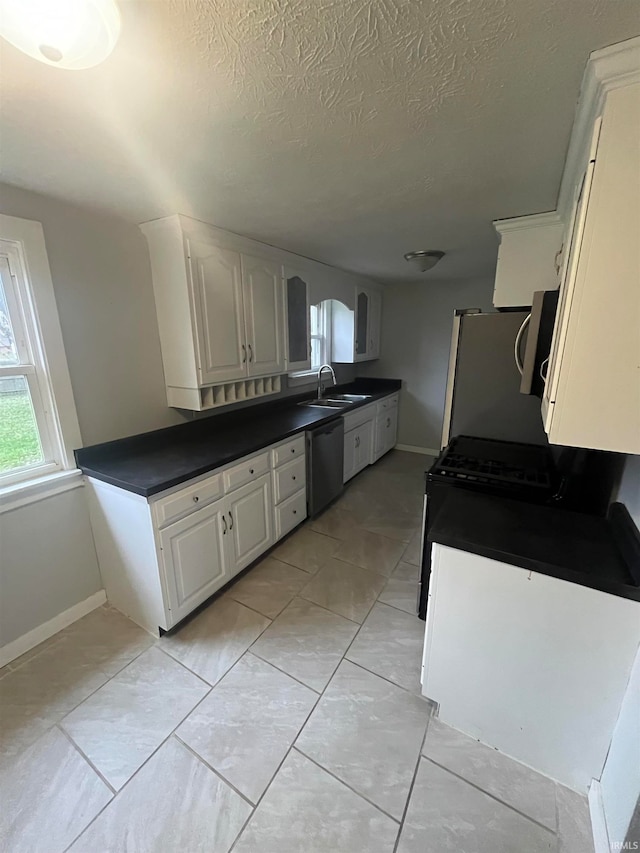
(483, 386)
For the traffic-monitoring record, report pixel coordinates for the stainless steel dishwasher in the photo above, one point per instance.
(325, 455)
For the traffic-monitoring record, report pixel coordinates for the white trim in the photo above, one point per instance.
(534, 220)
(28, 239)
(598, 819)
(414, 448)
(32, 491)
(609, 68)
(43, 632)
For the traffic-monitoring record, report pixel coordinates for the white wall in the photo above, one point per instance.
(416, 335)
(620, 781)
(48, 562)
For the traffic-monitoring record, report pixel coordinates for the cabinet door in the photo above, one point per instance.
(194, 559)
(362, 324)
(250, 522)
(365, 441)
(296, 306)
(380, 435)
(350, 465)
(375, 320)
(262, 289)
(391, 429)
(218, 306)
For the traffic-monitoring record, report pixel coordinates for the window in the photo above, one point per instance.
(36, 403)
(319, 333)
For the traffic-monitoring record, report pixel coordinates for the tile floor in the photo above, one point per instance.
(284, 718)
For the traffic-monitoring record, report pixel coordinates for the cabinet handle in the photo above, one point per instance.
(230, 521)
(250, 353)
(293, 477)
(224, 526)
(388, 422)
(251, 470)
(295, 512)
(293, 450)
(195, 499)
(244, 353)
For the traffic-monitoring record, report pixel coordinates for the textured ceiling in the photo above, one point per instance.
(345, 130)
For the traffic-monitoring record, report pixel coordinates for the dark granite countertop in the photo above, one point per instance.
(601, 553)
(154, 461)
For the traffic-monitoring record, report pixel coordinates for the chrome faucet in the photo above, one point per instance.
(333, 376)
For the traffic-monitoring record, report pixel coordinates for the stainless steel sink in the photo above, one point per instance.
(352, 398)
(328, 403)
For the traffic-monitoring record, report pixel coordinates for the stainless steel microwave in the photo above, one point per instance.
(535, 335)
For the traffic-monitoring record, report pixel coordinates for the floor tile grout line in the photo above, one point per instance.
(346, 785)
(411, 786)
(213, 769)
(388, 680)
(489, 794)
(284, 672)
(138, 769)
(81, 752)
(248, 606)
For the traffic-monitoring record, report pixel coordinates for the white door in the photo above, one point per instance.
(193, 558)
(296, 310)
(219, 317)
(250, 522)
(262, 287)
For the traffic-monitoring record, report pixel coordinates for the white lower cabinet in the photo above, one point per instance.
(357, 449)
(194, 558)
(161, 557)
(386, 427)
(250, 525)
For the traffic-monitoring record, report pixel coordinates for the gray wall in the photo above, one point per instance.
(102, 281)
(416, 336)
(48, 562)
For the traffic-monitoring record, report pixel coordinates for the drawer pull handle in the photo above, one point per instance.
(251, 470)
(230, 522)
(195, 499)
(294, 476)
(295, 512)
(293, 450)
(224, 526)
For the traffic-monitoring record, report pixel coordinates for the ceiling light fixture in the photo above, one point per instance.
(424, 260)
(71, 34)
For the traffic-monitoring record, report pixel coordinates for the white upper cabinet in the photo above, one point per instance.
(296, 306)
(262, 288)
(356, 334)
(592, 392)
(217, 286)
(527, 258)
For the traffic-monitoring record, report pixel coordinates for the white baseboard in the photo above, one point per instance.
(412, 448)
(598, 819)
(33, 638)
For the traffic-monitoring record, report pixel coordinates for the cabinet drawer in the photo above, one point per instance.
(286, 452)
(187, 500)
(360, 416)
(288, 479)
(290, 513)
(245, 472)
(388, 403)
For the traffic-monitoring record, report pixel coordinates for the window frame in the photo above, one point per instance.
(324, 337)
(36, 325)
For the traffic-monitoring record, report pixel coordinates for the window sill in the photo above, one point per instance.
(30, 491)
(307, 377)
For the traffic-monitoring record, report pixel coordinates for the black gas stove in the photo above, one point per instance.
(509, 468)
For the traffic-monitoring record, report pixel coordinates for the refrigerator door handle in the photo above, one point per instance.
(518, 343)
